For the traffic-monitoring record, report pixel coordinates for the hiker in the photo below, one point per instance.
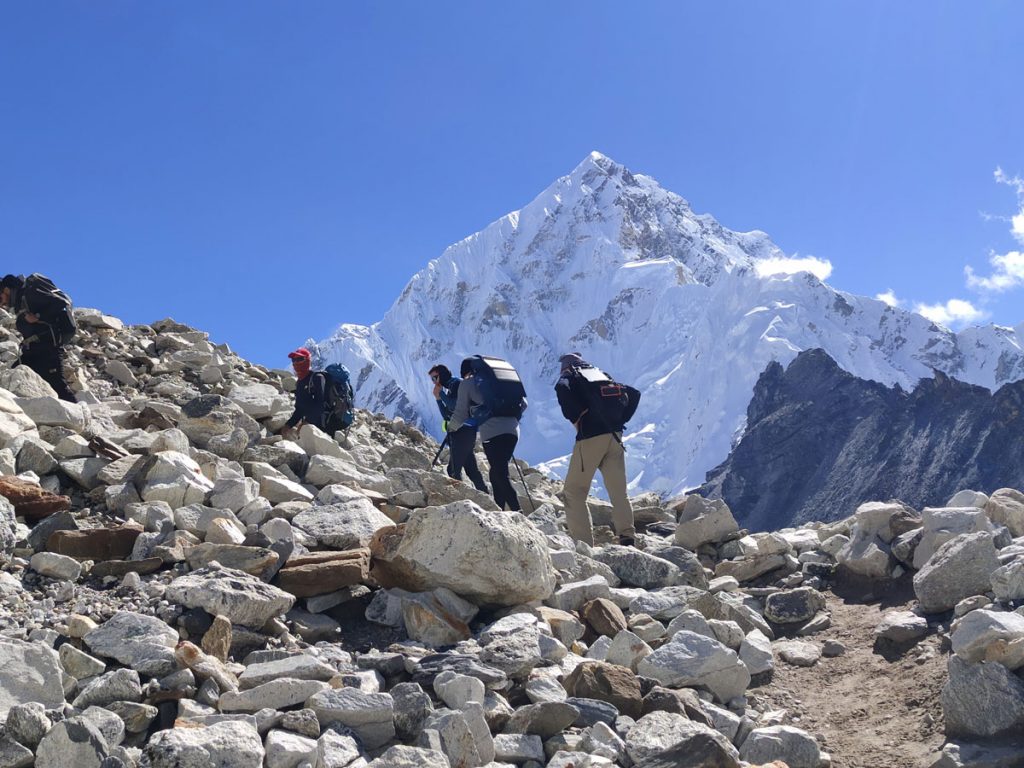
(462, 441)
(322, 398)
(46, 323)
(493, 406)
(599, 408)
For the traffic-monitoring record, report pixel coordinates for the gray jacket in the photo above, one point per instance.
(470, 397)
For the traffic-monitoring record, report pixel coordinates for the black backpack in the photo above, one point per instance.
(610, 403)
(500, 387)
(53, 306)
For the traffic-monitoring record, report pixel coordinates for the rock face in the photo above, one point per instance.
(819, 441)
(487, 557)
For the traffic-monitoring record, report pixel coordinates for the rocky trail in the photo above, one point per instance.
(182, 587)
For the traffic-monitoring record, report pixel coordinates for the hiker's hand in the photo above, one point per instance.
(287, 432)
(32, 317)
(437, 391)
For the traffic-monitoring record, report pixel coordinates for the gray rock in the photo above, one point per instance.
(1008, 581)
(400, 756)
(228, 744)
(793, 606)
(960, 568)
(657, 732)
(940, 524)
(274, 694)
(690, 659)
(901, 627)
(990, 636)
(76, 742)
(347, 525)
(335, 750)
(299, 667)
(572, 596)
(518, 748)
(143, 643)
(56, 566)
(639, 569)
(121, 685)
(137, 717)
(545, 719)
(108, 724)
(412, 707)
(28, 672)
(704, 521)
(211, 416)
(27, 724)
(242, 598)
(13, 754)
(1006, 507)
(370, 715)
(982, 700)
(795, 747)
(756, 653)
(798, 653)
(288, 750)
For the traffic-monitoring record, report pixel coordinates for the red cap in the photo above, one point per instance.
(300, 353)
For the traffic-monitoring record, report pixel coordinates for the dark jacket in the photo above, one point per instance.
(45, 332)
(448, 397)
(574, 407)
(310, 398)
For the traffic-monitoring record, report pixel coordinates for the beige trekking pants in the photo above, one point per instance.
(605, 453)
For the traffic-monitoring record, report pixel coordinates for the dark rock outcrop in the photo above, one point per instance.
(819, 441)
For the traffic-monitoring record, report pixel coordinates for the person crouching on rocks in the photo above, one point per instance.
(461, 442)
(310, 394)
(46, 323)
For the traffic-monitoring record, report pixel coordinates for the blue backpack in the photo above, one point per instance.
(500, 387)
(340, 396)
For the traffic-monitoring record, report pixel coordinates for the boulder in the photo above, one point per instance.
(143, 643)
(656, 733)
(24, 382)
(258, 400)
(794, 747)
(14, 422)
(695, 749)
(990, 636)
(901, 627)
(370, 715)
(940, 524)
(961, 567)
(982, 700)
(230, 744)
(1006, 507)
(638, 569)
(323, 572)
(793, 606)
(176, 479)
(487, 557)
(76, 742)
(210, 416)
(606, 682)
(28, 672)
(437, 618)
(345, 525)
(51, 412)
(1008, 581)
(240, 597)
(689, 659)
(704, 521)
(30, 500)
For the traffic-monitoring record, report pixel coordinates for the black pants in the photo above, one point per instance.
(461, 443)
(48, 362)
(499, 450)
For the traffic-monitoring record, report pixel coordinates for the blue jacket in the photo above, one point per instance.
(448, 397)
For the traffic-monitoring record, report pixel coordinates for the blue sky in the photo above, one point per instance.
(268, 170)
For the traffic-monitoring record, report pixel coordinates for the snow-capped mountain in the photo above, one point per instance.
(607, 263)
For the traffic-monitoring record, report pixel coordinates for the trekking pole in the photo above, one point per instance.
(533, 505)
(438, 454)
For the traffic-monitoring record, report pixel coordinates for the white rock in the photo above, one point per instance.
(242, 598)
(229, 744)
(990, 636)
(703, 521)
(56, 566)
(692, 659)
(795, 747)
(288, 750)
(28, 672)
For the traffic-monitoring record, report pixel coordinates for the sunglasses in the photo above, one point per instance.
(433, 377)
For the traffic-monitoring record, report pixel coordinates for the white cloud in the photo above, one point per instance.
(1007, 268)
(953, 312)
(889, 297)
(782, 265)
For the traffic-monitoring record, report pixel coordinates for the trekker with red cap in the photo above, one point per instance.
(310, 394)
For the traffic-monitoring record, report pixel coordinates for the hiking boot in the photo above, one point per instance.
(627, 541)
